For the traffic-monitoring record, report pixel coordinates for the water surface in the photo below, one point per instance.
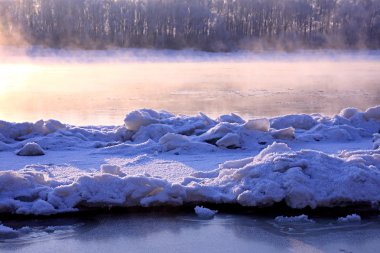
(188, 233)
(102, 92)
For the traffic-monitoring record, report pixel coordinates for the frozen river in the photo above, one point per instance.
(187, 233)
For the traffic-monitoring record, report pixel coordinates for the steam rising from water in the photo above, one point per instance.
(100, 87)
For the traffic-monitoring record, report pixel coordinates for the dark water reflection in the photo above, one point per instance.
(187, 233)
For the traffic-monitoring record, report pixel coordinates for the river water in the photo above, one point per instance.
(79, 91)
(188, 233)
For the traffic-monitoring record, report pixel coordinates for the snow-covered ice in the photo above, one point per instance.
(157, 158)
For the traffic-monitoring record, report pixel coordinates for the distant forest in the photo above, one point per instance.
(211, 25)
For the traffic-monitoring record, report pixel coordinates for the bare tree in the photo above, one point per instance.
(214, 25)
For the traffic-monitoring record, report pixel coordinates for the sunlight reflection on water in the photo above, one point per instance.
(102, 93)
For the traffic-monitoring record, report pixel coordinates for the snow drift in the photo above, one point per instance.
(168, 132)
(278, 173)
(301, 179)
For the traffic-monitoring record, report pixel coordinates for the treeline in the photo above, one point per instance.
(213, 25)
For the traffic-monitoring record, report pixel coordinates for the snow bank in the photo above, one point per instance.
(305, 178)
(204, 212)
(172, 132)
(54, 135)
(31, 149)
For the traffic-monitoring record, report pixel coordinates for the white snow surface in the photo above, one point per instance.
(157, 158)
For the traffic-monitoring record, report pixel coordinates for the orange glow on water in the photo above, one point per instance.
(102, 93)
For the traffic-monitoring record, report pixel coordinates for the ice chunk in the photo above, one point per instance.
(258, 124)
(153, 131)
(285, 134)
(294, 219)
(373, 113)
(15, 130)
(134, 120)
(31, 149)
(172, 141)
(218, 131)
(349, 218)
(42, 207)
(230, 118)
(123, 134)
(110, 169)
(236, 163)
(230, 140)
(47, 127)
(7, 231)
(349, 113)
(300, 121)
(204, 212)
(275, 148)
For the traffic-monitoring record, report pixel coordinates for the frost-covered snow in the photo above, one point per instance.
(204, 212)
(158, 158)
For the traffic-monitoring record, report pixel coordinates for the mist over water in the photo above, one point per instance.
(100, 87)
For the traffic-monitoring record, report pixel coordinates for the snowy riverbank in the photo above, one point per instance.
(157, 158)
